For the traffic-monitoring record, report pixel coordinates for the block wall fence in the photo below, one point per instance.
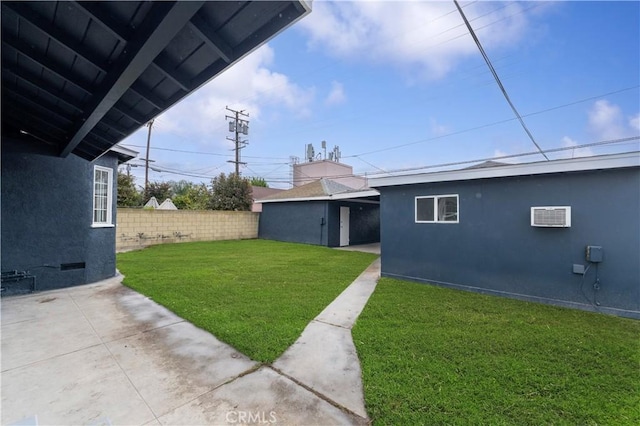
(138, 228)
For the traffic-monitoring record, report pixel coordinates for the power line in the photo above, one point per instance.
(471, 129)
(159, 169)
(389, 40)
(504, 157)
(372, 165)
(201, 152)
(178, 150)
(495, 76)
(427, 48)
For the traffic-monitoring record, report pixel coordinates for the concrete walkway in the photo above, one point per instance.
(373, 248)
(324, 357)
(104, 354)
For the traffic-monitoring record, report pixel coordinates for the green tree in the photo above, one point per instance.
(259, 181)
(180, 187)
(160, 190)
(128, 195)
(193, 197)
(231, 193)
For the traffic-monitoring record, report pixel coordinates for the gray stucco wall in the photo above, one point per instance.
(495, 250)
(299, 222)
(46, 219)
(302, 222)
(364, 223)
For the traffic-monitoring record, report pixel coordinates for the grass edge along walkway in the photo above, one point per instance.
(432, 355)
(255, 295)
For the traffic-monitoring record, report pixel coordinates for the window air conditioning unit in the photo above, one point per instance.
(551, 217)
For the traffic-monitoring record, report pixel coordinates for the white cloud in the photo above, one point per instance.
(249, 85)
(336, 95)
(430, 35)
(606, 120)
(634, 122)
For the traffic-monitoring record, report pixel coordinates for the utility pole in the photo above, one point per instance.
(146, 160)
(239, 126)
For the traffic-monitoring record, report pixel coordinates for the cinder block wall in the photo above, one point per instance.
(138, 228)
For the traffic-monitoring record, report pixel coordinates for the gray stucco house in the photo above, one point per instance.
(323, 212)
(564, 232)
(58, 218)
(79, 77)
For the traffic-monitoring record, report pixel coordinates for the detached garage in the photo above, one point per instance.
(323, 212)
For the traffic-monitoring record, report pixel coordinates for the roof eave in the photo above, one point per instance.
(124, 154)
(340, 196)
(613, 161)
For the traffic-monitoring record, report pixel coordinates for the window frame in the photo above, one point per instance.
(108, 223)
(436, 198)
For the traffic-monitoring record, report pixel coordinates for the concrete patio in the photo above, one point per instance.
(104, 354)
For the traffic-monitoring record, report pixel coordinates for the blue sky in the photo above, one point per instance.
(401, 84)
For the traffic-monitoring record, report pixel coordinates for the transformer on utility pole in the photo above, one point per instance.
(239, 126)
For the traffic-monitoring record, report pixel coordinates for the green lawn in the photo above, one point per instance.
(255, 295)
(432, 355)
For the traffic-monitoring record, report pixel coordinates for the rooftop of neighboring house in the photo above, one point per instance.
(321, 189)
(260, 192)
(486, 164)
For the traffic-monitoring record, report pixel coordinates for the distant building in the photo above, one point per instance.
(308, 172)
(323, 212)
(260, 192)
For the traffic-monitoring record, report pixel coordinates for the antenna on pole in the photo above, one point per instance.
(239, 126)
(336, 154)
(311, 153)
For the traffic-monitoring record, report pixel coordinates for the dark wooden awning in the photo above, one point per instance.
(78, 77)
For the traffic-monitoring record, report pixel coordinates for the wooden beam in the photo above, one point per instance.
(160, 26)
(212, 39)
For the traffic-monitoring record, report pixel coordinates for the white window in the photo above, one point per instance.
(102, 196)
(437, 209)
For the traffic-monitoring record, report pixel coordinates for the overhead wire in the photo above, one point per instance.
(180, 173)
(495, 123)
(391, 39)
(497, 78)
(202, 152)
(398, 35)
(504, 157)
(424, 140)
(424, 49)
(359, 156)
(372, 165)
(393, 172)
